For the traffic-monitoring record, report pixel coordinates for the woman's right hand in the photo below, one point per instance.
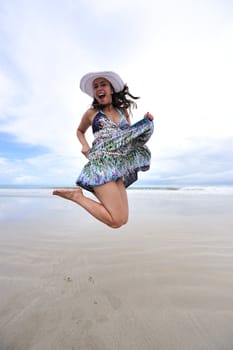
(85, 150)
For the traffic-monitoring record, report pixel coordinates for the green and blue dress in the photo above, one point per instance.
(118, 151)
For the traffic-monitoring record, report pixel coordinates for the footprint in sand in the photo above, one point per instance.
(91, 279)
(68, 279)
(113, 300)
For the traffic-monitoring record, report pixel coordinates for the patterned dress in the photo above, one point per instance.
(118, 151)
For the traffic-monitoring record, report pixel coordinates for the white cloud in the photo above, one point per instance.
(47, 75)
(50, 169)
(26, 179)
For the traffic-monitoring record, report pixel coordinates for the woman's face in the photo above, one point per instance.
(102, 91)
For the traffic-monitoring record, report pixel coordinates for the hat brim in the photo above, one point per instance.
(86, 83)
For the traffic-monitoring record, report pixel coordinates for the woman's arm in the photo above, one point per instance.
(82, 128)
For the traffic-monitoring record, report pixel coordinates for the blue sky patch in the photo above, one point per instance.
(12, 149)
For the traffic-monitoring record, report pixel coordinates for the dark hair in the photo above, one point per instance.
(120, 99)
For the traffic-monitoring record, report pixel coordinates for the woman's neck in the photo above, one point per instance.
(108, 107)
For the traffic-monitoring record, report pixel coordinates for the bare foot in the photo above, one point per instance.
(72, 194)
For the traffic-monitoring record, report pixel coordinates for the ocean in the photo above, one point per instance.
(24, 203)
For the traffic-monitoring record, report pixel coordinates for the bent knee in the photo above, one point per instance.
(117, 223)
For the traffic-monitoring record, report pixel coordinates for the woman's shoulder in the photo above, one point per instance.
(90, 113)
(125, 112)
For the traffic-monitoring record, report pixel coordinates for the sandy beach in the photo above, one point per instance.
(163, 282)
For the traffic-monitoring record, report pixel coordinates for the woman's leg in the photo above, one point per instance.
(113, 207)
(113, 197)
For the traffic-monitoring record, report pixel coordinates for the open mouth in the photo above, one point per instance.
(101, 96)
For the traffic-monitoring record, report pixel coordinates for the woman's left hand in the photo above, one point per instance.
(149, 116)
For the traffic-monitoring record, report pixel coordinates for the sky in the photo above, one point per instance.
(177, 55)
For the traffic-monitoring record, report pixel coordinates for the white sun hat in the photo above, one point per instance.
(86, 83)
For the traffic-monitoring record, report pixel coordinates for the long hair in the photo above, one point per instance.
(123, 99)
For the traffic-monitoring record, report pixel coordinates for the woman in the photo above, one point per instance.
(118, 151)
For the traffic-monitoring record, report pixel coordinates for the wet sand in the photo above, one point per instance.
(162, 282)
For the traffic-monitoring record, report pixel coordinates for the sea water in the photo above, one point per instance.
(25, 203)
